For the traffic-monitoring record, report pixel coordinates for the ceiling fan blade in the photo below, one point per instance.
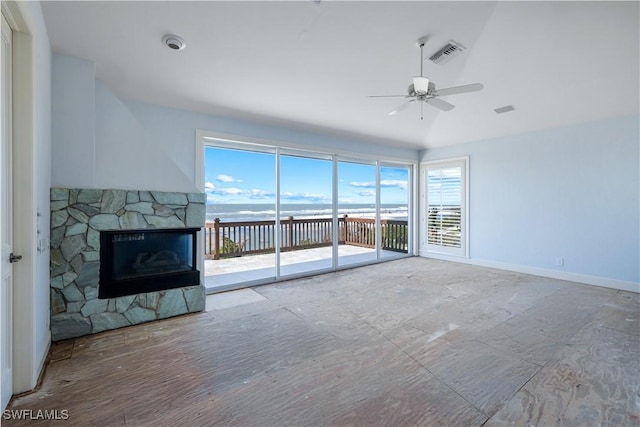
(459, 89)
(440, 104)
(388, 96)
(402, 107)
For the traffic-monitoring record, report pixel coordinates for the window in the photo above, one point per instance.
(445, 207)
(304, 210)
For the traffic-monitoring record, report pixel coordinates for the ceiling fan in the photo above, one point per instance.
(425, 91)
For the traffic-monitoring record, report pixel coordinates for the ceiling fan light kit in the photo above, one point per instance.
(421, 85)
(425, 91)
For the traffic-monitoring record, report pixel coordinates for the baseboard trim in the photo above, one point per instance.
(604, 282)
(42, 361)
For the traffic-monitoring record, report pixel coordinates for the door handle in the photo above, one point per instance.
(14, 258)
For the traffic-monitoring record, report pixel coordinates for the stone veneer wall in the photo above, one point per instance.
(77, 217)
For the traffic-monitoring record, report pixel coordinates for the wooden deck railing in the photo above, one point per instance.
(395, 235)
(232, 239)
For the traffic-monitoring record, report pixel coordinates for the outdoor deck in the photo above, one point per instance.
(242, 252)
(236, 238)
(224, 273)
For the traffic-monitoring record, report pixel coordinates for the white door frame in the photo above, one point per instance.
(26, 364)
(6, 229)
(438, 251)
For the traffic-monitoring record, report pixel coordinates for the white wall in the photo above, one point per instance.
(570, 193)
(131, 145)
(129, 156)
(169, 124)
(73, 113)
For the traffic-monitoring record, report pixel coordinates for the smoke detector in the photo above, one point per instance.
(447, 52)
(173, 42)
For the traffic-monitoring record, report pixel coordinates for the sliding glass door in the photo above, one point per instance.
(277, 212)
(394, 210)
(240, 237)
(357, 213)
(306, 214)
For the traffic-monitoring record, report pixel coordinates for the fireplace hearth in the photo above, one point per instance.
(138, 261)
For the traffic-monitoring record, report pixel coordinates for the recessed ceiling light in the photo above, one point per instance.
(504, 109)
(173, 42)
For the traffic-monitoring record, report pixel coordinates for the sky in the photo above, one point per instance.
(234, 176)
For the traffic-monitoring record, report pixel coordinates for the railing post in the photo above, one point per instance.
(346, 230)
(216, 244)
(291, 232)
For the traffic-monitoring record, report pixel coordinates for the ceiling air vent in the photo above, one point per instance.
(504, 109)
(447, 52)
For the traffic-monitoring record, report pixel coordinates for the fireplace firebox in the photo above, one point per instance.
(139, 261)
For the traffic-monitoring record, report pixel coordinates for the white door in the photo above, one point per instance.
(445, 207)
(6, 222)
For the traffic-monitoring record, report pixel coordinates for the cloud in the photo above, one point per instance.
(367, 193)
(307, 197)
(208, 186)
(385, 183)
(239, 192)
(228, 191)
(260, 194)
(363, 184)
(393, 183)
(227, 178)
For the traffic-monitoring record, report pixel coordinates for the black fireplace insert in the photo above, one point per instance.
(138, 261)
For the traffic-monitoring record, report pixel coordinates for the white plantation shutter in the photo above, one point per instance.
(445, 211)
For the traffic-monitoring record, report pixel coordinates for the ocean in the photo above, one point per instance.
(259, 212)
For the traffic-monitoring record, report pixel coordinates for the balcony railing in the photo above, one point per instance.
(232, 239)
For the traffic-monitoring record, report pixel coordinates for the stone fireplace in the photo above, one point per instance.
(158, 232)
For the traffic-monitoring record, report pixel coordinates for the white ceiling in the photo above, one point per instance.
(311, 65)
